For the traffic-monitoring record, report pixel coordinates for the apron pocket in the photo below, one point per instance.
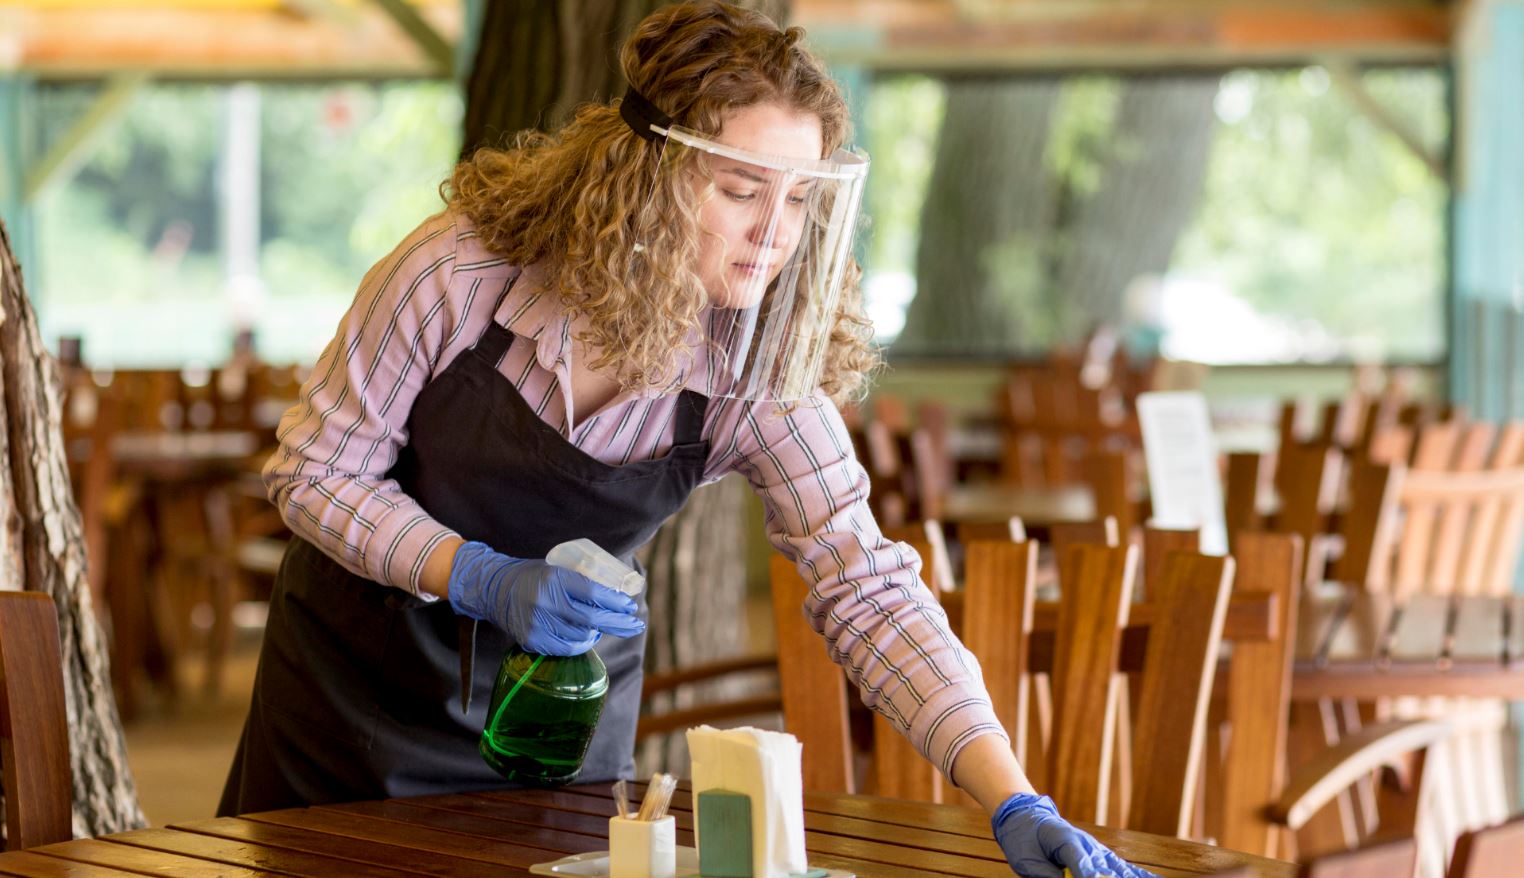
(322, 657)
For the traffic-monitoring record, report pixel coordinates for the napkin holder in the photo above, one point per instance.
(724, 831)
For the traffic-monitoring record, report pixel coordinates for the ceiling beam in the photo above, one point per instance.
(1346, 78)
(435, 47)
(218, 43)
(70, 151)
(986, 35)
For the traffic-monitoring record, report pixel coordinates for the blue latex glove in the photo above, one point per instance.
(1040, 844)
(547, 609)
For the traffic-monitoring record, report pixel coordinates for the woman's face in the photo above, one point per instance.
(753, 220)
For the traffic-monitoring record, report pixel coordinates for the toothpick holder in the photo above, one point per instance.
(642, 848)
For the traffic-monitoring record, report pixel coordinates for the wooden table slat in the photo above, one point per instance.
(593, 838)
(126, 857)
(418, 838)
(1421, 629)
(252, 855)
(396, 853)
(35, 864)
(1479, 630)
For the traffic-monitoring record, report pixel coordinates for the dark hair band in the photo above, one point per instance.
(640, 114)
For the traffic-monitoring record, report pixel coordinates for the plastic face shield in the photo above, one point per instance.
(775, 252)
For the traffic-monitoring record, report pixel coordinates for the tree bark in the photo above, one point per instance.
(538, 60)
(45, 551)
(1150, 189)
(1015, 259)
(985, 224)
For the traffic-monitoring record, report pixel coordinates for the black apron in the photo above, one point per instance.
(358, 692)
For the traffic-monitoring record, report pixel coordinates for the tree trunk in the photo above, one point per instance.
(537, 60)
(45, 551)
(696, 573)
(1149, 191)
(984, 227)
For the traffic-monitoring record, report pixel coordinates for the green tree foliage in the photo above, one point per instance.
(1314, 212)
(129, 246)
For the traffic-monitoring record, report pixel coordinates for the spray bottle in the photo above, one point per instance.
(545, 708)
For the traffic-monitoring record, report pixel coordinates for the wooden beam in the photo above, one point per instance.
(1346, 78)
(216, 43)
(435, 47)
(344, 14)
(953, 35)
(72, 149)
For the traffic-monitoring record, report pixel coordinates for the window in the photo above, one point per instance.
(214, 208)
(1255, 216)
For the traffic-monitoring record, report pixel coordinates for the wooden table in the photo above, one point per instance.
(503, 833)
(1352, 643)
(1035, 506)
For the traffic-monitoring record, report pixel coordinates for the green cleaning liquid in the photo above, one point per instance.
(542, 715)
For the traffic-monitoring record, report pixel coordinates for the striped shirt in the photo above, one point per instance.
(431, 299)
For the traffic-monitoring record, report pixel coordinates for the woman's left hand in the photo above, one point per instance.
(1040, 844)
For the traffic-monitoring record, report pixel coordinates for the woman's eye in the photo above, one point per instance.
(796, 200)
(739, 196)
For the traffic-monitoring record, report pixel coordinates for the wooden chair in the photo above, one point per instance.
(1452, 522)
(712, 712)
(817, 710)
(34, 737)
(1257, 699)
(1386, 860)
(1495, 850)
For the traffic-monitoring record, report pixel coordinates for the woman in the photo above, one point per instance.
(601, 320)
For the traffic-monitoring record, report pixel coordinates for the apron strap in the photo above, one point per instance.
(496, 338)
(467, 630)
(692, 406)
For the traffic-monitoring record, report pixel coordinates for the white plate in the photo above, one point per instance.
(595, 864)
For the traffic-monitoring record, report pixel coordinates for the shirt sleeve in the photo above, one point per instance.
(336, 444)
(867, 599)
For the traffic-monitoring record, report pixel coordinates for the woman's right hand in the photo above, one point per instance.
(547, 609)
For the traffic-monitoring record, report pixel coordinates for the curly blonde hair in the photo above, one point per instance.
(579, 200)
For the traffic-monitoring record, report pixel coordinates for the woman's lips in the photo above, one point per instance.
(751, 268)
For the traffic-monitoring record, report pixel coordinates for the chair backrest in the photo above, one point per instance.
(1097, 583)
(34, 737)
(1191, 600)
(998, 598)
(1259, 695)
(1247, 473)
(813, 688)
(1495, 850)
(1453, 521)
(1436, 532)
(1309, 490)
(1100, 532)
(816, 711)
(1158, 543)
(1393, 859)
(1109, 474)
